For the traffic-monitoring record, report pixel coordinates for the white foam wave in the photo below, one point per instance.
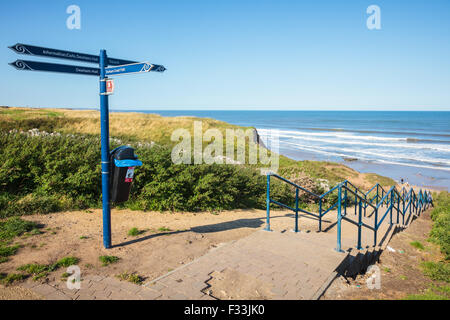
(356, 140)
(379, 157)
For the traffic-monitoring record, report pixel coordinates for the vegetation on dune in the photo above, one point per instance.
(440, 233)
(47, 174)
(42, 174)
(56, 166)
(15, 227)
(134, 127)
(433, 293)
(11, 228)
(7, 279)
(438, 271)
(38, 271)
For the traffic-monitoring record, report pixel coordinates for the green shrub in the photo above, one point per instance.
(135, 232)
(42, 270)
(6, 251)
(14, 227)
(67, 262)
(428, 295)
(437, 270)
(36, 270)
(440, 232)
(10, 278)
(131, 277)
(43, 174)
(106, 260)
(417, 244)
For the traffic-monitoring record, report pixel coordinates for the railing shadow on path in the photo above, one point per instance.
(253, 223)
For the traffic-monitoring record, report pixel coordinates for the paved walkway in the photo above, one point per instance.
(265, 265)
(281, 265)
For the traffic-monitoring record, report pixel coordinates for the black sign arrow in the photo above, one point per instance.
(54, 67)
(63, 54)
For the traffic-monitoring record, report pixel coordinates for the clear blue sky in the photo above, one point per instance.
(238, 54)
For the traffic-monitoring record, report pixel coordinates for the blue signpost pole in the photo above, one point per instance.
(268, 204)
(104, 120)
(120, 67)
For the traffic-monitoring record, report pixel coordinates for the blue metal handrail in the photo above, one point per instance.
(401, 202)
(296, 209)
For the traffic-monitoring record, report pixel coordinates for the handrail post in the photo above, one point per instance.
(416, 204)
(375, 228)
(390, 206)
(359, 225)
(398, 209)
(339, 218)
(345, 200)
(268, 204)
(420, 202)
(403, 211)
(320, 214)
(365, 207)
(410, 206)
(377, 194)
(296, 210)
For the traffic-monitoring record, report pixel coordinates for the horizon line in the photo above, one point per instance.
(400, 109)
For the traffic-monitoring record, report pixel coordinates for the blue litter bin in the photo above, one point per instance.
(123, 161)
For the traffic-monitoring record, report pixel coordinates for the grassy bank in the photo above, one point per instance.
(438, 270)
(51, 162)
(41, 174)
(440, 233)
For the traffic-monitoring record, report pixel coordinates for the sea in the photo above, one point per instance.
(413, 146)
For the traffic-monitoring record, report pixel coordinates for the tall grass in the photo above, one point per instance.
(440, 233)
(43, 173)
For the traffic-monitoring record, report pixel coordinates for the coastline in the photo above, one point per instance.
(422, 175)
(431, 179)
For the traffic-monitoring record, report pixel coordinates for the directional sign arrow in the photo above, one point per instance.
(63, 54)
(134, 68)
(54, 67)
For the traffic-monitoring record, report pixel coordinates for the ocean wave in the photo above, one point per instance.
(421, 162)
(431, 134)
(356, 140)
(348, 135)
(378, 154)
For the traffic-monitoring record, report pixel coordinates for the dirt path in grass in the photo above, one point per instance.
(401, 272)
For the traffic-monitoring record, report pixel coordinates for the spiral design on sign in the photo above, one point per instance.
(19, 64)
(19, 48)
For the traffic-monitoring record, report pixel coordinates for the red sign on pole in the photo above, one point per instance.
(109, 86)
